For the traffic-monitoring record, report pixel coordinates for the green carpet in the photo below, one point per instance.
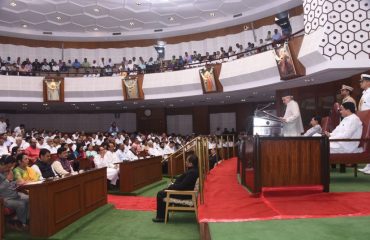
(302, 229)
(346, 182)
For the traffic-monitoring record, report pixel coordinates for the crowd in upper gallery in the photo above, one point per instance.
(105, 67)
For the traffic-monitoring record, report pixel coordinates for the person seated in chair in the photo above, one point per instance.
(12, 198)
(213, 158)
(43, 165)
(184, 182)
(315, 130)
(349, 128)
(61, 165)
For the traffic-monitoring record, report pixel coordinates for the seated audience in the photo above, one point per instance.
(186, 181)
(23, 173)
(316, 127)
(61, 165)
(43, 165)
(101, 160)
(12, 198)
(32, 151)
(213, 158)
(349, 128)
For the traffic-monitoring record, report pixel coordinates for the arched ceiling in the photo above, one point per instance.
(93, 20)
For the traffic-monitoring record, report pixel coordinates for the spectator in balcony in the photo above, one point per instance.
(63, 67)
(180, 62)
(187, 58)
(277, 36)
(60, 63)
(9, 60)
(76, 64)
(22, 70)
(150, 65)
(102, 63)
(28, 68)
(130, 66)
(25, 61)
(51, 63)
(94, 64)
(142, 65)
(85, 63)
(109, 63)
(18, 62)
(36, 65)
(261, 46)
(134, 61)
(55, 67)
(45, 67)
(69, 64)
(108, 71)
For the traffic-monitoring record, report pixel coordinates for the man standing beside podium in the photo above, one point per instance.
(292, 119)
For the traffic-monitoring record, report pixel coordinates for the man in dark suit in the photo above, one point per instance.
(184, 182)
(213, 158)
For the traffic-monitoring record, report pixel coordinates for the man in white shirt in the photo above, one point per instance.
(3, 125)
(101, 161)
(3, 148)
(124, 154)
(349, 128)
(19, 142)
(364, 103)
(315, 130)
(292, 119)
(19, 129)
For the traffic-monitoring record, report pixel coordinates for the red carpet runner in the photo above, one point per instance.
(227, 201)
(134, 203)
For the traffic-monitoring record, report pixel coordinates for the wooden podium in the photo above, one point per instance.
(139, 173)
(283, 161)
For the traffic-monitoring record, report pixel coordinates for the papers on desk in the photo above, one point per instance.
(33, 183)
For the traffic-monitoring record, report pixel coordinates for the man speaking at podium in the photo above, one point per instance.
(292, 119)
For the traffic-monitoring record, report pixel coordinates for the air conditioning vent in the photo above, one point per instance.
(116, 34)
(47, 33)
(238, 15)
(158, 30)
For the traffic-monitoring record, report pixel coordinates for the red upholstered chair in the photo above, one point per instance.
(325, 124)
(356, 158)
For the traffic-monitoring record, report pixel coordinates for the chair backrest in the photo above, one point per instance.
(325, 124)
(365, 119)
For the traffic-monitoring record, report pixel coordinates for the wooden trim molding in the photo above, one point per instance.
(147, 42)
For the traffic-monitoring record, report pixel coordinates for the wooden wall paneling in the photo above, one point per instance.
(201, 120)
(295, 45)
(156, 122)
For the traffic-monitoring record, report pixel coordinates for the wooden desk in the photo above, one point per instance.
(57, 203)
(284, 161)
(139, 173)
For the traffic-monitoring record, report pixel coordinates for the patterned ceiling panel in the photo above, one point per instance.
(31, 16)
(345, 23)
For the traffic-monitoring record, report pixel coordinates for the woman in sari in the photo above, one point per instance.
(23, 173)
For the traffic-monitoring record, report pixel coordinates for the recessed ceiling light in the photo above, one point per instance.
(228, 96)
(96, 10)
(212, 14)
(92, 104)
(171, 18)
(13, 4)
(96, 29)
(243, 100)
(132, 23)
(24, 25)
(24, 104)
(135, 103)
(138, 3)
(58, 18)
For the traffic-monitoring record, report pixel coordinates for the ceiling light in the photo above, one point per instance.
(162, 101)
(24, 104)
(171, 18)
(228, 96)
(96, 29)
(135, 103)
(92, 104)
(96, 10)
(255, 93)
(138, 3)
(212, 14)
(243, 100)
(132, 23)
(24, 25)
(13, 4)
(45, 104)
(73, 104)
(58, 18)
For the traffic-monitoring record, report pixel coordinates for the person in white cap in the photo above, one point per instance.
(364, 105)
(292, 119)
(345, 92)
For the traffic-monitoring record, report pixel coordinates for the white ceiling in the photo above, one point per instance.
(92, 20)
